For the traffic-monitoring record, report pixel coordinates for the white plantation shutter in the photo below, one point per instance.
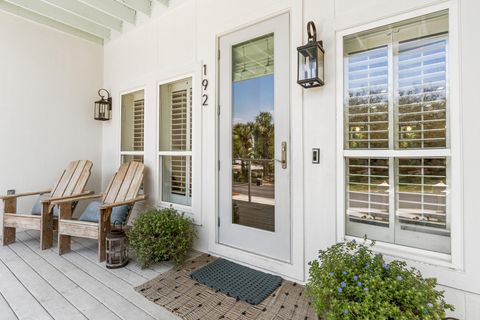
(179, 141)
(138, 128)
(190, 116)
(132, 130)
(181, 124)
(367, 197)
(175, 145)
(178, 176)
(422, 99)
(179, 120)
(366, 105)
(421, 191)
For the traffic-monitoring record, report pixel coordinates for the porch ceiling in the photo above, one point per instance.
(93, 20)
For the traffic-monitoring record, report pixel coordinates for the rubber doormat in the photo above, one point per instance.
(237, 281)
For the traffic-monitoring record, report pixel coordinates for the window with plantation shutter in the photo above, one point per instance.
(132, 145)
(367, 99)
(367, 181)
(138, 126)
(191, 140)
(422, 93)
(396, 102)
(179, 141)
(421, 194)
(178, 177)
(176, 142)
(179, 120)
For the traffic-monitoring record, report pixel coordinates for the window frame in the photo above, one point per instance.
(452, 152)
(131, 153)
(194, 210)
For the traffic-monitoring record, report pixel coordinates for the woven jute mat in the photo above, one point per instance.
(177, 292)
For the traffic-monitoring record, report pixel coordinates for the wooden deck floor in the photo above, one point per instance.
(38, 285)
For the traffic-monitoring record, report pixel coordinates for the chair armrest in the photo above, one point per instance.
(81, 196)
(25, 194)
(122, 203)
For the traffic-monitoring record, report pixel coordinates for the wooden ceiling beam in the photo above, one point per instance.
(144, 6)
(114, 8)
(35, 17)
(89, 19)
(89, 12)
(65, 17)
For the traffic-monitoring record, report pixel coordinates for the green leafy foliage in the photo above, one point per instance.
(254, 140)
(349, 281)
(161, 235)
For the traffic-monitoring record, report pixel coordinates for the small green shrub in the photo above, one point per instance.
(161, 235)
(349, 281)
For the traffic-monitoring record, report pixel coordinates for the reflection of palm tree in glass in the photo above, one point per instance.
(264, 139)
(243, 145)
(254, 140)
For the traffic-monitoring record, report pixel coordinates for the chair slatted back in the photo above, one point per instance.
(73, 179)
(126, 183)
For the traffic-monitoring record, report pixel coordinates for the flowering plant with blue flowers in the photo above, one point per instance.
(350, 281)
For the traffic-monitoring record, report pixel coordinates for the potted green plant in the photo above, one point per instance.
(349, 281)
(161, 235)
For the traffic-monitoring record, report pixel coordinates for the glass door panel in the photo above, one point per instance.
(253, 134)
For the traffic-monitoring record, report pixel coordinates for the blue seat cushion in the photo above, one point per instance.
(91, 212)
(37, 207)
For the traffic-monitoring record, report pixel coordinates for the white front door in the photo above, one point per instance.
(254, 133)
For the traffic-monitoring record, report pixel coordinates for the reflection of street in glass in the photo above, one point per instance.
(253, 193)
(255, 215)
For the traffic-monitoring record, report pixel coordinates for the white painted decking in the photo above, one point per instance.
(36, 284)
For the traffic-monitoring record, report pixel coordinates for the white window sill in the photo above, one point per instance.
(413, 254)
(178, 207)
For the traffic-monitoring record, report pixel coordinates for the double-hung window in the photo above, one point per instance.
(397, 135)
(132, 144)
(175, 147)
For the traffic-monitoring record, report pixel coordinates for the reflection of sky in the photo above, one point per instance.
(251, 97)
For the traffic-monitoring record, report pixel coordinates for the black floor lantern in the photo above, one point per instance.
(117, 249)
(103, 107)
(311, 60)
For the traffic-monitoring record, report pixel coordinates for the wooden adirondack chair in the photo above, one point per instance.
(71, 183)
(122, 190)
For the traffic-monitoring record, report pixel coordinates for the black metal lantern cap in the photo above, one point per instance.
(311, 60)
(103, 107)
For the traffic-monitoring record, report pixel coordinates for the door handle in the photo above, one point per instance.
(283, 161)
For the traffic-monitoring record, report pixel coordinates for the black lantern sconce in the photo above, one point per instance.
(311, 60)
(103, 107)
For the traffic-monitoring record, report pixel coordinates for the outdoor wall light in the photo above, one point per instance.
(311, 60)
(103, 107)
